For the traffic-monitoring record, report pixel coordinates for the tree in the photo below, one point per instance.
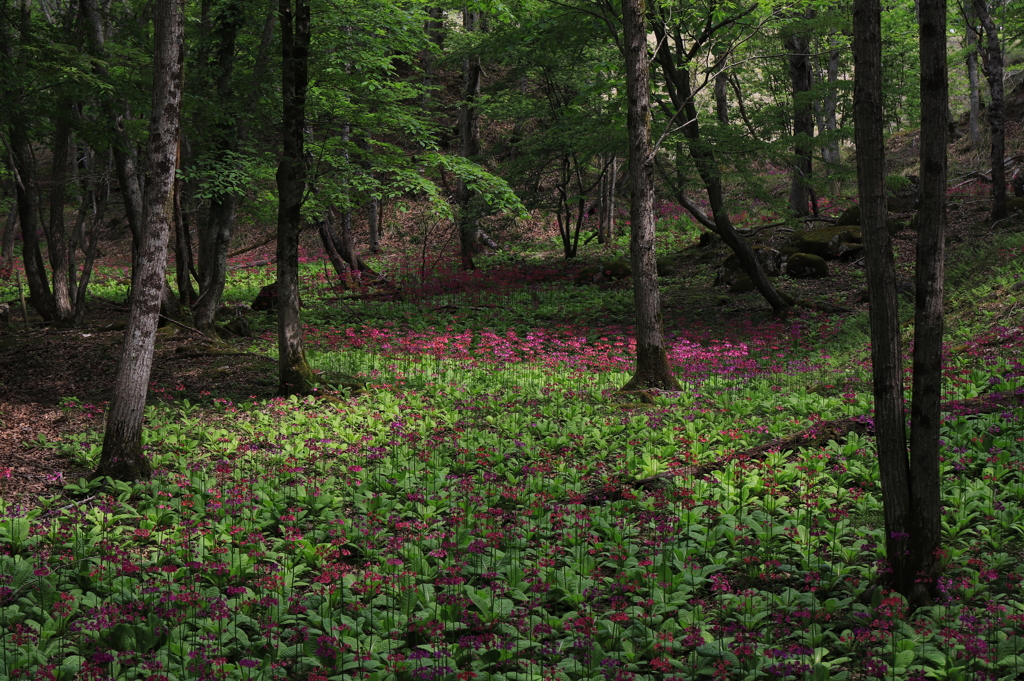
(992, 64)
(910, 491)
(652, 368)
(971, 58)
(294, 375)
(675, 56)
(122, 457)
(469, 135)
(798, 47)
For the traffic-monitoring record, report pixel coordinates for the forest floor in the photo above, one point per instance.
(45, 369)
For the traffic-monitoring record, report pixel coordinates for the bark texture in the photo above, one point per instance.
(122, 457)
(992, 62)
(469, 132)
(652, 368)
(798, 49)
(294, 375)
(887, 373)
(920, 574)
(971, 58)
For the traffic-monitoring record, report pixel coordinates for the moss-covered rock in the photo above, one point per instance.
(806, 266)
(824, 242)
(742, 284)
(606, 271)
(850, 216)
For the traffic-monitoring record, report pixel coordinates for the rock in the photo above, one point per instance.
(239, 326)
(227, 312)
(731, 271)
(5, 314)
(266, 300)
(1015, 203)
(708, 239)
(742, 284)
(850, 216)
(606, 271)
(806, 266)
(824, 242)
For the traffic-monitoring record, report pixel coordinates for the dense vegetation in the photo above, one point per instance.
(512, 434)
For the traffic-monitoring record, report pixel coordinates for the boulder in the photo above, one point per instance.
(850, 216)
(606, 271)
(824, 242)
(266, 300)
(742, 284)
(239, 326)
(806, 266)
(730, 271)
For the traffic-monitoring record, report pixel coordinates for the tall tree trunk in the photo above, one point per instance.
(25, 180)
(652, 368)
(469, 132)
(974, 117)
(925, 417)
(830, 151)
(677, 80)
(798, 47)
(992, 62)
(7, 243)
(887, 370)
(294, 375)
(122, 457)
(721, 91)
(215, 232)
(372, 221)
(56, 234)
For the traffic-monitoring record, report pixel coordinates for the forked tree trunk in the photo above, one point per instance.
(122, 457)
(294, 375)
(680, 92)
(886, 360)
(992, 61)
(215, 232)
(35, 270)
(921, 574)
(652, 368)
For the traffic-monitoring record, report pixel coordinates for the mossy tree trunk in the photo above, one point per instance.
(122, 457)
(294, 375)
(652, 367)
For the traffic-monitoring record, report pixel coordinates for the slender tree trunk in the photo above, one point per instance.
(90, 255)
(372, 221)
(652, 368)
(721, 91)
(887, 370)
(215, 232)
(974, 117)
(25, 180)
(294, 375)
(122, 457)
(469, 131)
(798, 47)
(830, 151)
(677, 81)
(925, 417)
(182, 251)
(992, 62)
(56, 234)
(7, 243)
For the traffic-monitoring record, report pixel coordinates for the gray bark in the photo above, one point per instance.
(887, 370)
(974, 117)
(294, 375)
(652, 367)
(925, 416)
(992, 63)
(122, 457)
